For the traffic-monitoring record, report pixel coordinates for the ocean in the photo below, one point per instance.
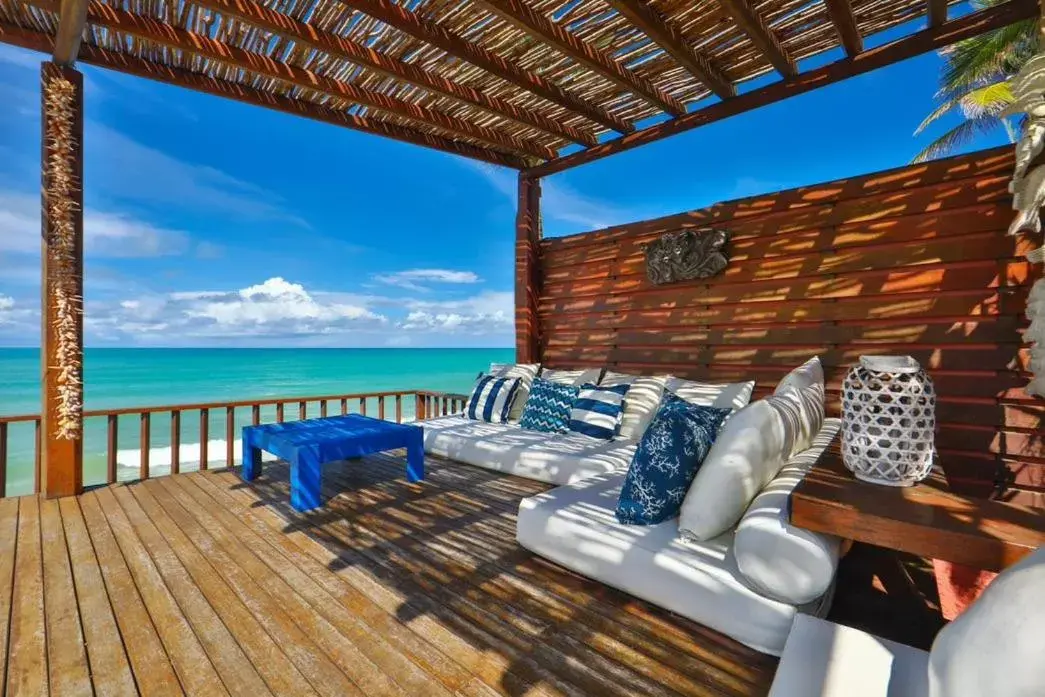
(117, 378)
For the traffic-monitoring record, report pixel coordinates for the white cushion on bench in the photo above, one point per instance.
(575, 526)
(556, 458)
(823, 659)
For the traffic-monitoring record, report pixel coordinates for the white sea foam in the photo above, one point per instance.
(128, 461)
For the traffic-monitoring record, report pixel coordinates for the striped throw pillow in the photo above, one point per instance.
(597, 410)
(492, 399)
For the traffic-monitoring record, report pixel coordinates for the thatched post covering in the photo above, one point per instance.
(527, 270)
(62, 303)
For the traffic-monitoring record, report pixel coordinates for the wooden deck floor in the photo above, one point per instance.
(200, 584)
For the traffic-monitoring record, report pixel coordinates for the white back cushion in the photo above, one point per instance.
(526, 372)
(733, 395)
(641, 402)
(750, 450)
(778, 560)
(997, 646)
(809, 373)
(572, 377)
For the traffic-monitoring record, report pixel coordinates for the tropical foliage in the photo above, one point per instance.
(975, 83)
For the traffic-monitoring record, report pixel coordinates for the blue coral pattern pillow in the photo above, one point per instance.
(666, 461)
(548, 406)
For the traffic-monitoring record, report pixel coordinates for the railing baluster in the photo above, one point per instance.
(255, 414)
(143, 446)
(323, 408)
(362, 406)
(302, 411)
(204, 437)
(279, 412)
(230, 433)
(175, 442)
(112, 448)
(37, 454)
(446, 405)
(399, 408)
(3, 460)
(344, 406)
(381, 407)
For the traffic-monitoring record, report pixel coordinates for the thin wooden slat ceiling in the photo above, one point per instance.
(507, 81)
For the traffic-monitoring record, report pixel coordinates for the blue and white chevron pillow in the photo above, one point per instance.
(548, 406)
(492, 399)
(597, 410)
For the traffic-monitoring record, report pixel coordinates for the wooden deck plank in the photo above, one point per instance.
(410, 641)
(110, 670)
(378, 649)
(238, 674)
(68, 670)
(194, 669)
(8, 543)
(281, 676)
(324, 676)
(337, 640)
(153, 672)
(27, 650)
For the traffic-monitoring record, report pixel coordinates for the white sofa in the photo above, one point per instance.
(781, 570)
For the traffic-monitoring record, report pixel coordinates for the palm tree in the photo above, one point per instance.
(975, 83)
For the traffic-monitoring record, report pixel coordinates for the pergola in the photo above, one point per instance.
(509, 82)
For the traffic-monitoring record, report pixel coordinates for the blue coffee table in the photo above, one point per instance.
(308, 444)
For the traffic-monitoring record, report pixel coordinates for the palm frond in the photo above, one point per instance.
(957, 136)
(973, 102)
(987, 58)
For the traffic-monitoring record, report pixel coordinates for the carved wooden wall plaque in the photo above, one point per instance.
(686, 255)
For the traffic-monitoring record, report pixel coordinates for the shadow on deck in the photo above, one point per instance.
(202, 584)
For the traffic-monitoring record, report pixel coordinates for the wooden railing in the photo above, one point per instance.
(383, 405)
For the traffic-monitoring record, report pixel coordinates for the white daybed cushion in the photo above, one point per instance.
(556, 458)
(731, 395)
(775, 558)
(526, 372)
(575, 526)
(641, 402)
(571, 377)
(823, 659)
(997, 646)
(750, 450)
(809, 373)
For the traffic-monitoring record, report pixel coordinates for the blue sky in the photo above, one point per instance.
(212, 223)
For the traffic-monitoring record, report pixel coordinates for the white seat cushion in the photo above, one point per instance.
(575, 526)
(775, 558)
(823, 659)
(997, 646)
(556, 458)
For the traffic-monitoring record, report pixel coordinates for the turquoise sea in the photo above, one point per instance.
(117, 378)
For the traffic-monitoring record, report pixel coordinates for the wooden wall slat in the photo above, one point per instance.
(913, 261)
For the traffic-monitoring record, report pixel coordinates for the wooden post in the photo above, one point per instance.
(527, 270)
(62, 284)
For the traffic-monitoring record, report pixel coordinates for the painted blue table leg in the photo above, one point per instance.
(415, 458)
(251, 460)
(305, 476)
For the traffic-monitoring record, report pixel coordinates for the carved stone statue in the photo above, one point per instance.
(686, 255)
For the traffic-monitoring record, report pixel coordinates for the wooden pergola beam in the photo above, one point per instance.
(663, 32)
(519, 15)
(527, 270)
(152, 30)
(752, 24)
(842, 17)
(930, 39)
(937, 11)
(432, 33)
(139, 67)
(72, 18)
(260, 16)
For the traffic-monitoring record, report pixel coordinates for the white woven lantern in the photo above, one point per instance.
(888, 420)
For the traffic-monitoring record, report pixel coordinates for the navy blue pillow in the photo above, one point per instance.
(666, 461)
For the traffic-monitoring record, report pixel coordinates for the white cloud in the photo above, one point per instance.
(488, 312)
(6, 303)
(414, 279)
(106, 234)
(276, 310)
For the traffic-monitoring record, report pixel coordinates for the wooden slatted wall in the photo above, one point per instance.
(912, 261)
